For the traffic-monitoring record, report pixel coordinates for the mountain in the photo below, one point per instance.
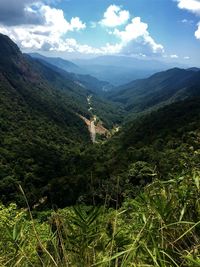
(119, 70)
(108, 112)
(46, 148)
(160, 89)
(41, 127)
(122, 61)
(59, 62)
(166, 139)
(157, 146)
(74, 73)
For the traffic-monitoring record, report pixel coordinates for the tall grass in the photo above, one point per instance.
(161, 227)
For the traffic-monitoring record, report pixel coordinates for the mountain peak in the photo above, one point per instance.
(8, 47)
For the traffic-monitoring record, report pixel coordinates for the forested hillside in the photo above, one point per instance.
(143, 191)
(74, 73)
(158, 90)
(41, 128)
(129, 200)
(160, 145)
(40, 123)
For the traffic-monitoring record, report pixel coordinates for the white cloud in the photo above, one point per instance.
(71, 45)
(174, 56)
(55, 20)
(190, 5)
(115, 16)
(197, 32)
(46, 36)
(111, 49)
(186, 57)
(14, 12)
(51, 33)
(186, 21)
(132, 31)
(49, 38)
(135, 38)
(156, 48)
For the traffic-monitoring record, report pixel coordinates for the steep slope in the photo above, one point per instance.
(158, 90)
(44, 144)
(38, 82)
(41, 126)
(59, 62)
(39, 122)
(110, 113)
(74, 73)
(160, 145)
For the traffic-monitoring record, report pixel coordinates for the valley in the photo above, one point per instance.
(92, 128)
(94, 172)
(95, 125)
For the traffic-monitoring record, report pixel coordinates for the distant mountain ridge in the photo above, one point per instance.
(59, 62)
(123, 61)
(119, 70)
(159, 89)
(75, 73)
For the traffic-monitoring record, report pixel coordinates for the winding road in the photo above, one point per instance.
(92, 131)
(92, 121)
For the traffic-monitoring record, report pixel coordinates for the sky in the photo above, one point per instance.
(166, 30)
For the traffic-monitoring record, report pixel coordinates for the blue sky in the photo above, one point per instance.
(167, 30)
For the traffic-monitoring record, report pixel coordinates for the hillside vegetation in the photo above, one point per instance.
(40, 123)
(132, 200)
(160, 89)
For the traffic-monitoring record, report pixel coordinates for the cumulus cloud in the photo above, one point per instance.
(46, 29)
(132, 31)
(14, 12)
(192, 6)
(115, 16)
(49, 34)
(135, 38)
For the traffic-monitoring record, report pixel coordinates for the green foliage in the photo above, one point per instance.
(41, 132)
(45, 145)
(162, 145)
(160, 227)
(138, 192)
(162, 88)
